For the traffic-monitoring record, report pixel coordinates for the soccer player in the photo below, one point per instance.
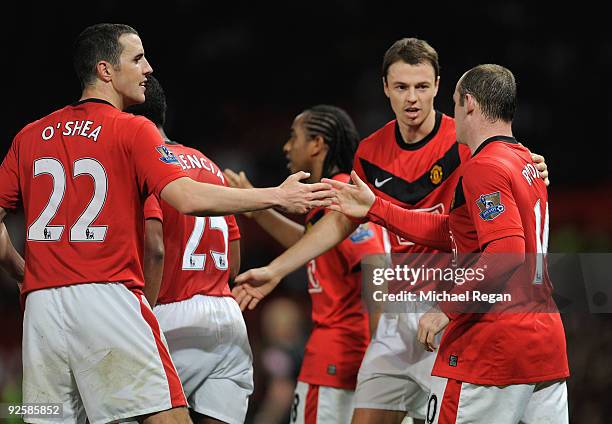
(90, 340)
(411, 161)
(515, 358)
(323, 142)
(202, 322)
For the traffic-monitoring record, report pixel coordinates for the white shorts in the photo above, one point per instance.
(97, 349)
(453, 401)
(209, 345)
(395, 374)
(321, 405)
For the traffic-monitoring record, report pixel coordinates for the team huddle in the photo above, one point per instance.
(128, 310)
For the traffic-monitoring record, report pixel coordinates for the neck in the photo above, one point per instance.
(104, 93)
(488, 130)
(162, 132)
(316, 173)
(414, 133)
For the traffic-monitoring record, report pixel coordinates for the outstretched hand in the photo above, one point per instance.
(431, 323)
(352, 200)
(253, 285)
(297, 197)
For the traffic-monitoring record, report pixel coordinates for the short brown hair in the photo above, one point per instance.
(493, 87)
(98, 42)
(412, 51)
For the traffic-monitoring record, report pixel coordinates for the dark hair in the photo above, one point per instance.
(412, 51)
(154, 107)
(339, 133)
(493, 87)
(98, 42)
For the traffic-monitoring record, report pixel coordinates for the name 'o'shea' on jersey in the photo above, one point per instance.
(419, 176)
(340, 334)
(500, 194)
(82, 174)
(196, 259)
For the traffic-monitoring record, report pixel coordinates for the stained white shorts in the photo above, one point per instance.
(314, 404)
(209, 345)
(97, 349)
(453, 401)
(395, 374)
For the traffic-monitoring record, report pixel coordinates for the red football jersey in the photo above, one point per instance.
(418, 176)
(340, 335)
(196, 257)
(500, 195)
(82, 174)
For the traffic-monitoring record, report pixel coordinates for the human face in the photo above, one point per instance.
(411, 90)
(297, 148)
(130, 76)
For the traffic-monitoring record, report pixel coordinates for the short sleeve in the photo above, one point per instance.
(9, 178)
(152, 209)
(490, 201)
(232, 227)
(365, 240)
(155, 163)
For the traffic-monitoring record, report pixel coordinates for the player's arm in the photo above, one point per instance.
(501, 239)
(194, 198)
(284, 230)
(358, 201)
(255, 284)
(10, 260)
(234, 252)
(153, 259)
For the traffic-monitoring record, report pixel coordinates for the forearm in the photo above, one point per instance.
(153, 269)
(201, 199)
(10, 259)
(284, 230)
(333, 228)
(426, 229)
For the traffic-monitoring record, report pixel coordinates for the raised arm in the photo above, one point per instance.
(284, 230)
(257, 283)
(194, 198)
(358, 201)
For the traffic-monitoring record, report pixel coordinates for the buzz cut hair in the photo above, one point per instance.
(494, 88)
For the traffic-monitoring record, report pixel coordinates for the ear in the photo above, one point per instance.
(470, 104)
(436, 86)
(318, 146)
(385, 86)
(104, 70)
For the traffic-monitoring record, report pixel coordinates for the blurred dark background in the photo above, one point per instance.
(236, 74)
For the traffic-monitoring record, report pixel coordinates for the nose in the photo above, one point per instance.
(147, 68)
(286, 147)
(411, 95)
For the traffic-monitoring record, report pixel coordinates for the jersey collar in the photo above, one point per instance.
(91, 100)
(502, 138)
(415, 146)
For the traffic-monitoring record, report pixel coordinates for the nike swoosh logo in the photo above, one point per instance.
(379, 184)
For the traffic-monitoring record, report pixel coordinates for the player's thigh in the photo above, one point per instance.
(548, 404)
(120, 359)
(210, 348)
(452, 401)
(47, 377)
